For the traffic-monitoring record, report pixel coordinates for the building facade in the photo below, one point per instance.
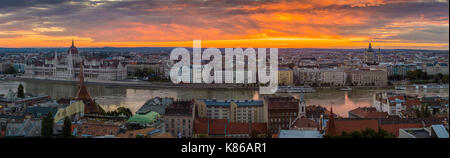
(285, 76)
(367, 77)
(179, 118)
(435, 68)
(307, 76)
(400, 69)
(282, 111)
(68, 68)
(232, 110)
(333, 77)
(370, 56)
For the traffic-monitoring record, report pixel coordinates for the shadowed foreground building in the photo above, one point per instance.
(282, 111)
(179, 118)
(392, 125)
(366, 112)
(222, 128)
(90, 106)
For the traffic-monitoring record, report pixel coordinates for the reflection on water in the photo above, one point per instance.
(111, 98)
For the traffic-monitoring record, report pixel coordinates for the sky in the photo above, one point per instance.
(388, 24)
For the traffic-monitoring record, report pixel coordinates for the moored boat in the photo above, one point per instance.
(346, 89)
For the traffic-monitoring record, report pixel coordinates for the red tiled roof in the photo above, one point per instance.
(390, 125)
(2, 133)
(354, 125)
(238, 128)
(396, 97)
(98, 129)
(201, 126)
(368, 112)
(394, 128)
(282, 103)
(259, 127)
(305, 123)
(217, 126)
(377, 115)
(412, 102)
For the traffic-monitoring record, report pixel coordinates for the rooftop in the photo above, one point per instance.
(299, 134)
(368, 112)
(226, 103)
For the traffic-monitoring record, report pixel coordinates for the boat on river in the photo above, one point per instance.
(295, 89)
(346, 89)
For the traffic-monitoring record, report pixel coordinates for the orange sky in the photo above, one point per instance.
(282, 24)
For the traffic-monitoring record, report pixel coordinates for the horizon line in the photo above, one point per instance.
(224, 47)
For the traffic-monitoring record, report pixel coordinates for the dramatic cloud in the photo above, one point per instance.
(225, 23)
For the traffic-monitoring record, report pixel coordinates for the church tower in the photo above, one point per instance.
(331, 129)
(90, 106)
(301, 107)
(370, 56)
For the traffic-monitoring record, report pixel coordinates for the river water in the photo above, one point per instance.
(133, 98)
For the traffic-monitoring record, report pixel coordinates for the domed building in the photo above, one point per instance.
(67, 67)
(371, 56)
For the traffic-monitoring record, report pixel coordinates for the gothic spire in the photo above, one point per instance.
(82, 90)
(331, 129)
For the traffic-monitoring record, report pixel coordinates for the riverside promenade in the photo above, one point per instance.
(135, 83)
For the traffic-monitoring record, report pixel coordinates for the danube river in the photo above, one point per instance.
(111, 98)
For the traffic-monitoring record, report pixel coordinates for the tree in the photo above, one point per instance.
(47, 126)
(67, 127)
(423, 111)
(367, 133)
(291, 65)
(20, 93)
(445, 79)
(10, 70)
(124, 111)
(119, 111)
(438, 78)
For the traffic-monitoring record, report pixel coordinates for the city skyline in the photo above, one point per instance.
(282, 24)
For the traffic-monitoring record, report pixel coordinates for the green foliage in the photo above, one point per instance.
(202, 135)
(47, 126)
(10, 70)
(291, 65)
(423, 111)
(119, 111)
(420, 77)
(150, 73)
(445, 79)
(396, 77)
(145, 72)
(20, 92)
(367, 133)
(67, 127)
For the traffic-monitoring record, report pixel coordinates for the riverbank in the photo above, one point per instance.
(135, 84)
(134, 98)
(150, 85)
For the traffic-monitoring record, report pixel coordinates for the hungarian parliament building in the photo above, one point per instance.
(68, 67)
